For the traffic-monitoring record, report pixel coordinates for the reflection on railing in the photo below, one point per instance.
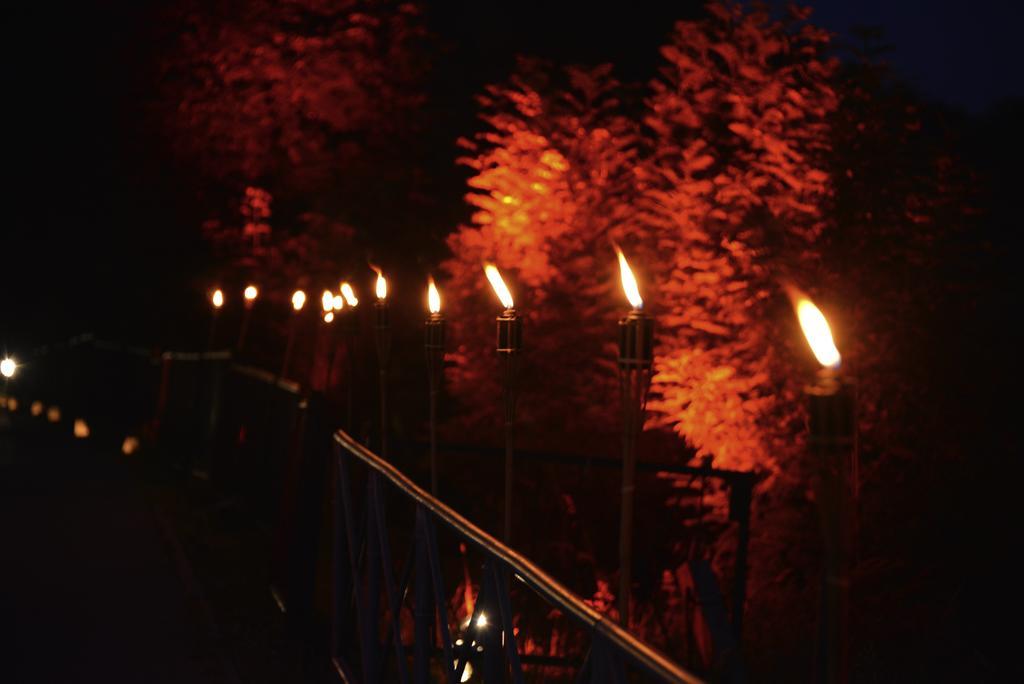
(363, 561)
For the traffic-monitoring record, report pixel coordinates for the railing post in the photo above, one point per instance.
(371, 606)
(424, 613)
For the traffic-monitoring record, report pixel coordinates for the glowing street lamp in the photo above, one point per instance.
(509, 344)
(832, 443)
(434, 344)
(382, 338)
(249, 296)
(636, 353)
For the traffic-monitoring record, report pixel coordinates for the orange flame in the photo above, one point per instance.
(500, 289)
(433, 297)
(339, 302)
(327, 300)
(217, 299)
(381, 288)
(629, 285)
(349, 294)
(817, 332)
(329, 317)
(8, 367)
(298, 300)
(251, 293)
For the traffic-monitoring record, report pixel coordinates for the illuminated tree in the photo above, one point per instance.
(553, 173)
(736, 199)
(294, 95)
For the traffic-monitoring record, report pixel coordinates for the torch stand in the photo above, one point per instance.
(636, 337)
(289, 345)
(382, 337)
(831, 442)
(211, 340)
(243, 330)
(510, 341)
(349, 328)
(434, 345)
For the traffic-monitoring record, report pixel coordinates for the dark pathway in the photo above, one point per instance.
(91, 588)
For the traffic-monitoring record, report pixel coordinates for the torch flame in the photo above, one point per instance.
(8, 367)
(381, 288)
(494, 276)
(339, 302)
(217, 299)
(433, 297)
(327, 300)
(817, 332)
(251, 292)
(329, 317)
(629, 285)
(349, 294)
(298, 300)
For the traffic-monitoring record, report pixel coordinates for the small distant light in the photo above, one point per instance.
(251, 292)
(37, 408)
(81, 428)
(53, 414)
(339, 302)
(481, 621)
(298, 300)
(129, 446)
(327, 300)
(12, 404)
(7, 368)
(467, 673)
(329, 317)
(217, 299)
(349, 294)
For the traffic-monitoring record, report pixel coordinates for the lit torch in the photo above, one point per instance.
(249, 295)
(217, 300)
(349, 328)
(509, 344)
(330, 302)
(636, 344)
(434, 344)
(831, 441)
(382, 337)
(298, 301)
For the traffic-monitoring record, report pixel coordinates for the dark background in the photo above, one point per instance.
(102, 234)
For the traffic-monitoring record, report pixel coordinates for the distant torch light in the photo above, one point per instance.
(217, 299)
(81, 428)
(349, 294)
(298, 300)
(338, 302)
(327, 300)
(251, 293)
(8, 368)
(130, 445)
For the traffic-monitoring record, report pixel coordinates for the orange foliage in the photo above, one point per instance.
(735, 200)
(552, 172)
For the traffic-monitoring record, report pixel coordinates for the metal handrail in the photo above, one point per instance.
(650, 660)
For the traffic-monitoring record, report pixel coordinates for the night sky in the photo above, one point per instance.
(95, 224)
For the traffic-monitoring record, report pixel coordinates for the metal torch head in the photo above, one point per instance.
(382, 313)
(636, 340)
(434, 333)
(510, 332)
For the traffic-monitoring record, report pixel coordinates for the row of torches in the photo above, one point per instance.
(636, 339)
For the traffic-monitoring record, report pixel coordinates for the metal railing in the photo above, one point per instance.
(258, 436)
(363, 559)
